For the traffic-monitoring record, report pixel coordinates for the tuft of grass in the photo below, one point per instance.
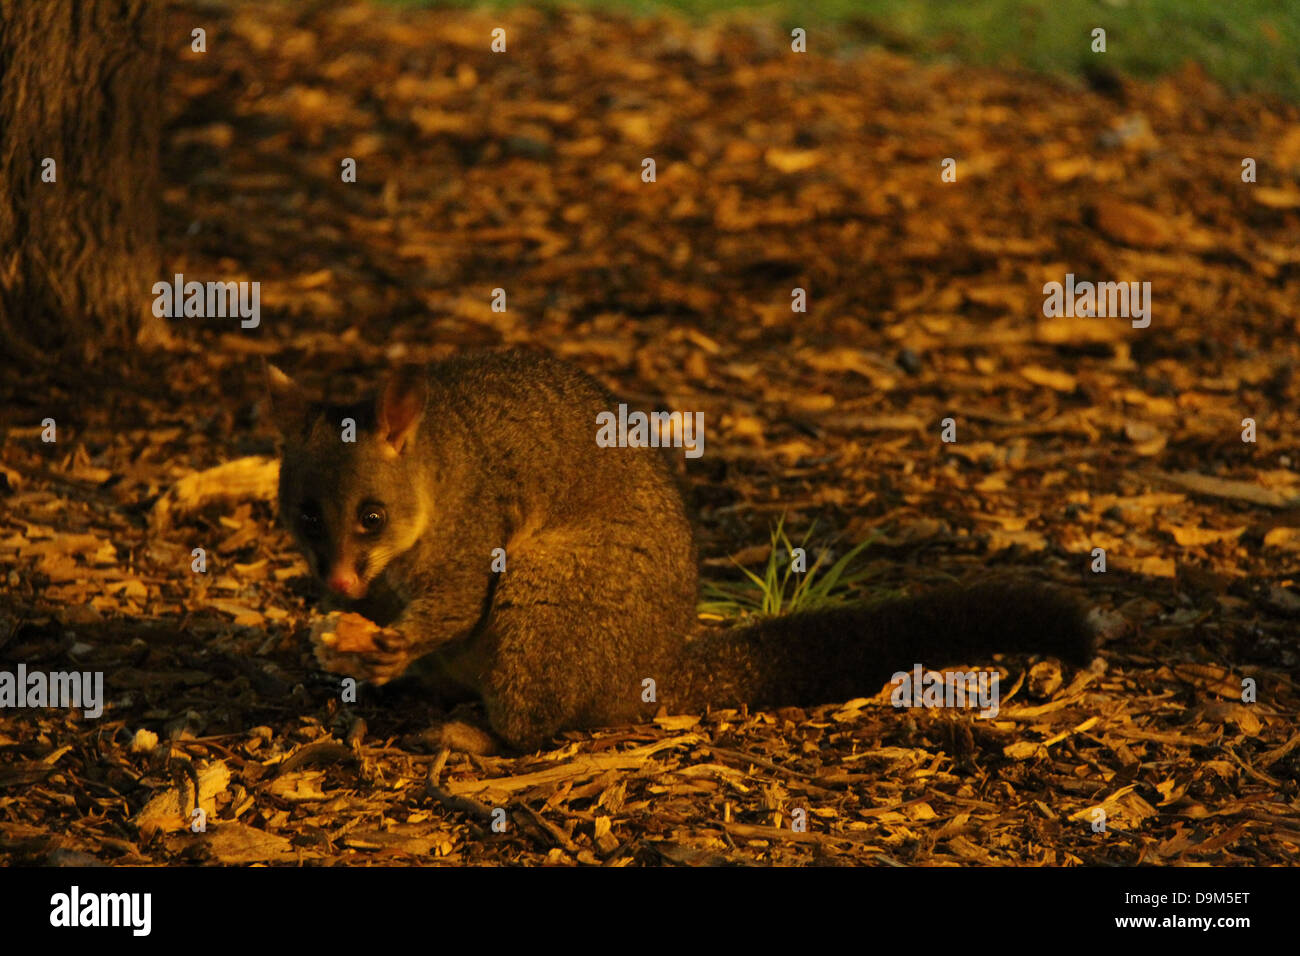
(782, 590)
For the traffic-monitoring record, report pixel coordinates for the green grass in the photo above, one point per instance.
(782, 590)
(1245, 44)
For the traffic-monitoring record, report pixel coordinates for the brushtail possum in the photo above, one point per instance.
(498, 451)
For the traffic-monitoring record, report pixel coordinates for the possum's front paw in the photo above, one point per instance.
(352, 645)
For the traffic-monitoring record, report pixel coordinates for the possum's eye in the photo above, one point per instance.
(309, 519)
(371, 518)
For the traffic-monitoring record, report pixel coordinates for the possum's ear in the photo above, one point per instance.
(400, 407)
(288, 402)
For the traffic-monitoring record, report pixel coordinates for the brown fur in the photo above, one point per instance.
(499, 451)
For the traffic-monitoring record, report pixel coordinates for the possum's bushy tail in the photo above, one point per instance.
(837, 654)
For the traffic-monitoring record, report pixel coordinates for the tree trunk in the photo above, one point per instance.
(80, 84)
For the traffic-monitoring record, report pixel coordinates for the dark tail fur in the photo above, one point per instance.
(834, 655)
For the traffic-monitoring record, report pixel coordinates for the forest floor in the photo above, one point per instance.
(774, 170)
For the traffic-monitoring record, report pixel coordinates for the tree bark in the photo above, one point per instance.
(80, 84)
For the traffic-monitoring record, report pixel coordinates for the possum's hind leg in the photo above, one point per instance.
(576, 627)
